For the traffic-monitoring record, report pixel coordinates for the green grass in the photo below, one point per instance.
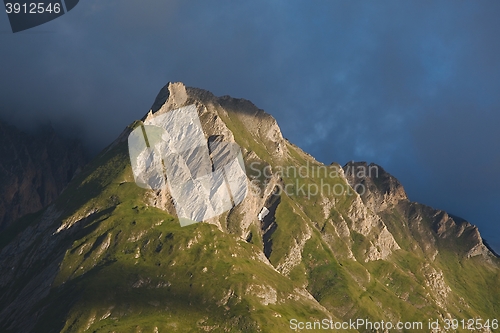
(185, 272)
(130, 267)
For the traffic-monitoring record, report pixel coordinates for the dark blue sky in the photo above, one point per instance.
(413, 86)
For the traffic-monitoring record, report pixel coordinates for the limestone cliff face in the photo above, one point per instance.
(382, 193)
(108, 255)
(34, 169)
(222, 118)
(378, 189)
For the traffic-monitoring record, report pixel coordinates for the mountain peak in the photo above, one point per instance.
(378, 189)
(171, 96)
(109, 255)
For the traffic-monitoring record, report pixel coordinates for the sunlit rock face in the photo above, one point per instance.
(205, 177)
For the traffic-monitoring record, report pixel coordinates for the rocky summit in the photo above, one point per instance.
(310, 246)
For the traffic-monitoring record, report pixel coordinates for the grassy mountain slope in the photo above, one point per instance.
(108, 256)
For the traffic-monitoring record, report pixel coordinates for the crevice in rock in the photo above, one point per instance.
(268, 224)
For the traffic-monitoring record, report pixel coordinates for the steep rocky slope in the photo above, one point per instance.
(34, 169)
(337, 243)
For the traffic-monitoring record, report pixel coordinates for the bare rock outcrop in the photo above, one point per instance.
(377, 188)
